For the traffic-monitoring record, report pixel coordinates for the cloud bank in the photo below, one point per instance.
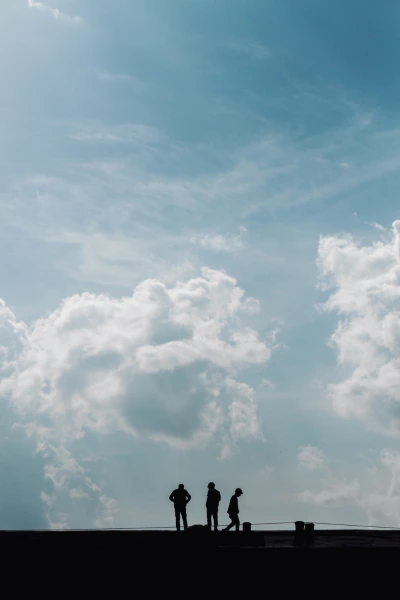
(163, 363)
(364, 285)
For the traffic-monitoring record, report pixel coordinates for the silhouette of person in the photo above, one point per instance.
(180, 497)
(233, 510)
(213, 500)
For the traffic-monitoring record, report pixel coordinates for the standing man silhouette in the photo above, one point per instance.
(233, 510)
(213, 500)
(180, 498)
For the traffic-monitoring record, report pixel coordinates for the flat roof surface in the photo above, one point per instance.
(254, 539)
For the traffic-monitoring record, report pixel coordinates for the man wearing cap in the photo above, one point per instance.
(180, 497)
(233, 510)
(213, 500)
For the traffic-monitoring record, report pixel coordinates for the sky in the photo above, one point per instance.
(199, 260)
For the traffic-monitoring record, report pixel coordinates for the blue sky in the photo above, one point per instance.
(200, 268)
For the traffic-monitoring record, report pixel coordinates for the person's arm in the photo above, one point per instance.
(230, 507)
(188, 497)
(172, 497)
(233, 506)
(219, 496)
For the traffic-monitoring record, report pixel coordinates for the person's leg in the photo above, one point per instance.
(237, 523)
(215, 516)
(177, 518)
(184, 517)
(209, 518)
(231, 524)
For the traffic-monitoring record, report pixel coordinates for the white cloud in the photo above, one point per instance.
(58, 15)
(222, 243)
(123, 195)
(366, 294)
(386, 505)
(310, 457)
(251, 306)
(69, 482)
(377, 496)
(162, 364)
(62, 522)
(377, 226)
(76, 363)
(78, 494)
(338, 494)
(47, 499)
(109, 510)
(243, 411)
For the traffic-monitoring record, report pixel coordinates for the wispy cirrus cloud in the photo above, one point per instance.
(126, 133)
(122, 78)
(269, 175)
(55, 12)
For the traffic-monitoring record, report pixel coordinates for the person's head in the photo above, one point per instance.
(211, 485)
(181, 486)
(238, 492)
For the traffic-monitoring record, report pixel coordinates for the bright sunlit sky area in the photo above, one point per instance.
(199, 260)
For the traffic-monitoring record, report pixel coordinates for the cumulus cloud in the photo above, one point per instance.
(364, 285)
(310, 457)
(79, 364)
(162, 363)
(57, 14)
(12, 332)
